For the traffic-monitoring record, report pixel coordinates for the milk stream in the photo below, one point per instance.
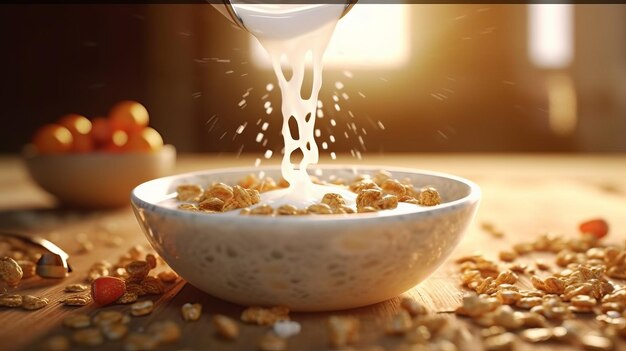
(289, 33)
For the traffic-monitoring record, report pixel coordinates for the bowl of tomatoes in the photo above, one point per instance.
(95, 163)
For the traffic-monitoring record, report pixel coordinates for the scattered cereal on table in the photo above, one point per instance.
(56, 343)
(127, 298)
(581, 287)
(28, 268)
(272, 342)
(225, 327)
(74, 288)
(10, 300)
(88, 337)
(168, 276)
(140, 342)
(265, 316)
(191, 312)
(343, 331)
(10, 271)
(31, 303)
(593, 342)
(109, 317)
(399, 324)
(114, 331)
(77, 321)
(412, 306)
(76, 300)
(141, 308)
(165, 332)
(501, 342)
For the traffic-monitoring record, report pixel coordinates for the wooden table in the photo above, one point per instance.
(523, 195)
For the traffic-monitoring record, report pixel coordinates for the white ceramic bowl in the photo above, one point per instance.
(97, 179)
(308, 263)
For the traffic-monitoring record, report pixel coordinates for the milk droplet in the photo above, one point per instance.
(265, 126)
(268, 154)
(338, 85)
(259, 137)
(269, 87)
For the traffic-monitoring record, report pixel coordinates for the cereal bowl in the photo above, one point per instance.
(97, 179)
(307, 263)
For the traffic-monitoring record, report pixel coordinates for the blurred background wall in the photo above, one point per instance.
(464, 77)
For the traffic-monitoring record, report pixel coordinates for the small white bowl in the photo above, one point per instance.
(307, 263)
(97, 179)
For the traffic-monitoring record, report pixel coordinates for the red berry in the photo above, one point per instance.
(106, 290)
(597, 227)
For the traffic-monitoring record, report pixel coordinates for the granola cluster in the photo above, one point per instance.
(373, 193)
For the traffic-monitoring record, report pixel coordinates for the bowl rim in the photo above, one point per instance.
(29, 154)
(472, 197)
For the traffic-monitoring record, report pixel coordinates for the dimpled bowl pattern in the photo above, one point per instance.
(307, 263)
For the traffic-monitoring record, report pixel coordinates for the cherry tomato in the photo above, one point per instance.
(53, 139)
(118, 142)
(598, 227)
(81, 129)
(129, 116)
(147, 140)
(101, 131)
(106, 290)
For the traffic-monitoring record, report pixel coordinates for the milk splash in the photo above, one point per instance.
(289, 33)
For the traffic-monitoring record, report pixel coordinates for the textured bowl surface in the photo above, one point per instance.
(97, 180)
(308, 263)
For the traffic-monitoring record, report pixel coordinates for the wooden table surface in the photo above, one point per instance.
(523, 195)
